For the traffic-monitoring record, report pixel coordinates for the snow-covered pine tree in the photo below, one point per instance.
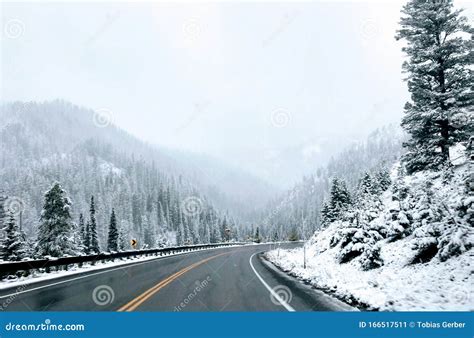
(207, 234)
(112, 240)
(225, 230)
(92, 226)
(367, 186)
(122, 240)
(87, 238)
(148, 234)
(82, 230)
(187, 233)
(77, 238)
(339, 201)
(257, 238)
(325, 214)
(440, 76)
(382, 177)
(3, 214)
(55, 232)
(180, 237)
(13, 246)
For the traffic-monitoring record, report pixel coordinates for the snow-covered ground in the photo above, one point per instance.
(398, 285)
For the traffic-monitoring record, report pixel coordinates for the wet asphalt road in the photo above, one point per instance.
(224, 279)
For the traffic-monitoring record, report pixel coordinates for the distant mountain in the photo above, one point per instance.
(58, 127)
(57, 141)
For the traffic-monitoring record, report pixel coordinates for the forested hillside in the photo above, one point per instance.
(58, 142)
(296, 214)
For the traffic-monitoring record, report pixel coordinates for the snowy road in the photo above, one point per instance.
(227, 279)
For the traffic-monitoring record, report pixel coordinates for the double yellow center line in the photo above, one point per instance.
(136, 302)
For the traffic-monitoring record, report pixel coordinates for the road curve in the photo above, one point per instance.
(224, 279)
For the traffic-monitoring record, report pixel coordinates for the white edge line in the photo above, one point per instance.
(126, 264)
(273, 293)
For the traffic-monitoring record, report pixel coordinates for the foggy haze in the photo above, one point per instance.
(249, 83)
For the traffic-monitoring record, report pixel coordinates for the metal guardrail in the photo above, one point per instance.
(7, 268)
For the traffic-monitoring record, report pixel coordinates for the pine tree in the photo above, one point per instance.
(207, 233)
(383, 179)
(122, 240)
(293, 236)
(339, 202)
(82, 232)
(92, 226)
(112, 242)
(13, 246)
(87, 238)
(367, 186)
(440, 78)
(55, 233)
(224, 230)
(181, 236)
(325, 214)
(3, 214)
(148, 235)
(257, 238)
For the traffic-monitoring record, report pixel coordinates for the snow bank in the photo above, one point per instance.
(440, 283)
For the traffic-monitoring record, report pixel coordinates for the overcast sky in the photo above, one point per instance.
(239, 81)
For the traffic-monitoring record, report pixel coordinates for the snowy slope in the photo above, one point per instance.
(408, 279)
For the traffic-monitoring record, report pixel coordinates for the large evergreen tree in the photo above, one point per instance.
(13, 245)
(112, 242)
(55, 233)
(340, 198)
(440, 80)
